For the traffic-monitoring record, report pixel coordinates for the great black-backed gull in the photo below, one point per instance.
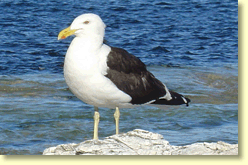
(105, 76)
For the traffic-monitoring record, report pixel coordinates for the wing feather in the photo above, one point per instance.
(130, 75)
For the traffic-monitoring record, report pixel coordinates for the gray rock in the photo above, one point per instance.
(140, 142)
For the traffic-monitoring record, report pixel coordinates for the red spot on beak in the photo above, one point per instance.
(63, 37)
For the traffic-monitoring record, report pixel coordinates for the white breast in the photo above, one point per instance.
(84, 71)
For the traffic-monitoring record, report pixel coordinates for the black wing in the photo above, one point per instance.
(130, 75)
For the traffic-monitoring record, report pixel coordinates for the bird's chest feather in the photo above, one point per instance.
(82, 72)
(80, 67)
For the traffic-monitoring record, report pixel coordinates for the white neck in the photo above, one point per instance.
(90, 43)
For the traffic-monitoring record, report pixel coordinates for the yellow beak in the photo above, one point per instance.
(66, 33)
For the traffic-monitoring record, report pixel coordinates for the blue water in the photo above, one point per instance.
(192, 46)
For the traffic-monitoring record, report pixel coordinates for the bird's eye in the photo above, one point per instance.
(86, 22)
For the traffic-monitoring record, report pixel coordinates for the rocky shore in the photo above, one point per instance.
(140, 142)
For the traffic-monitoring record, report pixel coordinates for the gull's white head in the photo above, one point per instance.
(84, 25)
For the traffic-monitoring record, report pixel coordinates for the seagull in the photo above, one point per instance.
(111, 77)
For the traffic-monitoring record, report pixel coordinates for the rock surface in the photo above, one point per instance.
(140, 142)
